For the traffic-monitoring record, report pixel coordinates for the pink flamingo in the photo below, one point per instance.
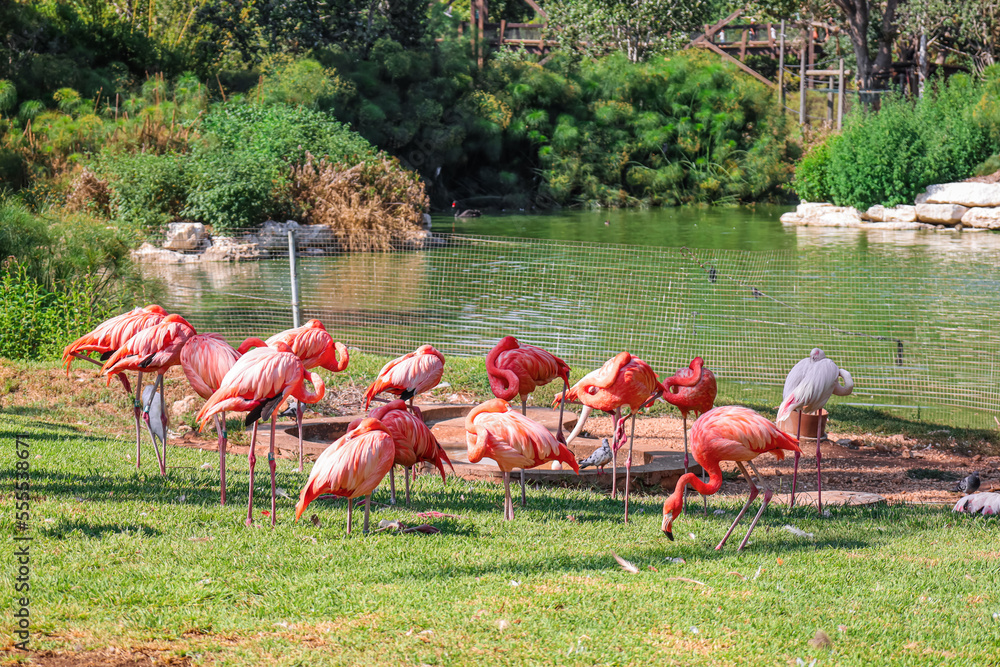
(351, 467)
(808, 387)
(153, 350)
(408, 375)
(516, 370)
(206, 358)
(258, 383)
(315, 347)
(105, 339)
(493, 430)
(414, 442)
(699, 398)
(728, 433)
(622, 381)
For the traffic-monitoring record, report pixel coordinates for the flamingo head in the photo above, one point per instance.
(817, 354)
(382, 411)
(671, 510)
(365, 425)
(155, 309)
(686, 377)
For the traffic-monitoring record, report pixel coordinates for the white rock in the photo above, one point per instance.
(150, 253)
(182, 406)
(921, 199)
(966, 194)
(228, 249)
(184, 236)
(790, 218)
(807, 208)
(982, 218)
(825, 215)
(879, 213)
(947, 214)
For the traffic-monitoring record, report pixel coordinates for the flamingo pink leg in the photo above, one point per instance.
(795, 471)
(137, 412)
(406, 477)
(415, 410)
(392, 484)
(368, 502)
(220, 428)
(508, 505)
(252, 458)
(614, 455)
(298, 424)
(273, 465)
(350, 514)
(628, 465)
(753, 494)
(163, 420)
(763, 506)
(819, 457)
(524, 497)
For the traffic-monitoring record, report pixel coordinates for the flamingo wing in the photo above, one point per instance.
(262, 375)
(111, 334)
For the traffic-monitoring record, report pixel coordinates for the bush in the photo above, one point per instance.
(147, 190)
(890, 156)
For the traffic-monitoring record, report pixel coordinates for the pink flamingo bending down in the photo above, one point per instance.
(493, 430)
(622, 381)
(105, 339)
(351, 467)
(516, 370)
(206, 358)
(315, 347)
(153, 350)
(728, 433)
(408, 375)
(699, 398)
(413, 441)
(808, 387)
(258, 383)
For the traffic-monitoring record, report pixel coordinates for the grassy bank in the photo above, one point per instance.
(132, 561)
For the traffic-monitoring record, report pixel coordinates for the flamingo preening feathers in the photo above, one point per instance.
(206, 359)
(408, 375)
(315, 347)
(413, 441)
(623, 380)
(808, 387)
(351, 467)
(728, 433)
(105, 339)
(493, 430)
(152, 350)
(514, 369)
(258, 383)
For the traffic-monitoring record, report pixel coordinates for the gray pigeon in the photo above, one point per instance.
(155, 422)
(987, 504)
(600, 458)
(969, 485)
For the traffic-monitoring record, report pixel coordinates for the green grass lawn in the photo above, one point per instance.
(131, 560)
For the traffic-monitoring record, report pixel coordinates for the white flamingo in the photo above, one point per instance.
(807, 389)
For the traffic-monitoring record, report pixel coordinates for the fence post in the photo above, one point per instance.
(840, 95)
(294, 268)
(802, 86)
(781, 67)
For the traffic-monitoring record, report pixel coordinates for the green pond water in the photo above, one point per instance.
(911, 314)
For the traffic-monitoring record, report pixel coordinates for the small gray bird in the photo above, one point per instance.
(969, 485)
(600, 458)
(155, 423)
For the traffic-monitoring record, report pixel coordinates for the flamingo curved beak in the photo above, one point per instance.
(669, 534)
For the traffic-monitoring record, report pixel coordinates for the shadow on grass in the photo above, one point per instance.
(66, 527)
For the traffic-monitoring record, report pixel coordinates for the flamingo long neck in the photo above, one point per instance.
(673, 505)
(848, 384)
(336, 357)
(503, 383)
(249, 343)
(312, 396)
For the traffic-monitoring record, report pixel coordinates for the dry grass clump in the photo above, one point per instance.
(89, 194)
(369, 206)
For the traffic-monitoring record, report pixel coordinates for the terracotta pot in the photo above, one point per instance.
(808, 431)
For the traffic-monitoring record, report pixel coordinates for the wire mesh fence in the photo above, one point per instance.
(925, 339)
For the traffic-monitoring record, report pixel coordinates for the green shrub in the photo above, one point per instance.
(890, 156)
(39, 322)
(233, 190)
(147, 190)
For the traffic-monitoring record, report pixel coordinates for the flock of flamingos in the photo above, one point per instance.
(258, 377)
